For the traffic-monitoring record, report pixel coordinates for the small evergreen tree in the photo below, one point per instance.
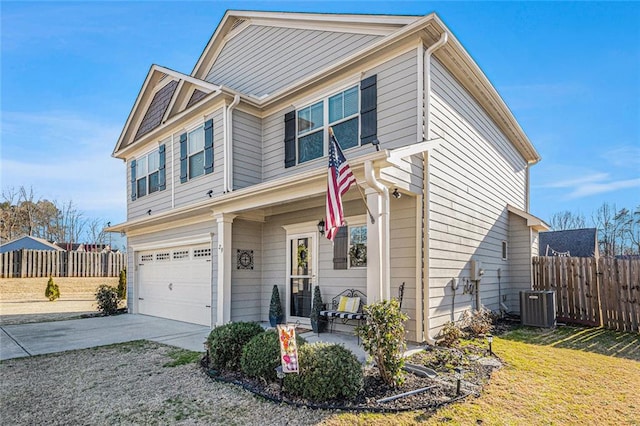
(275, 308)
(317, 324)
(52, 291)
(122, 285)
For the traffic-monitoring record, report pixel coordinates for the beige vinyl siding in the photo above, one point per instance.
(158, 201)
(519, 261)
(247, 150)
(331, 281)
(397, 103)
(246, 284)
(473, 175)
(262, 60)
(402, 245)
(195, 190)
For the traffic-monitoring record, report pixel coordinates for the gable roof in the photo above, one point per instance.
(30, 243)
(156, 102)
(381, 34)
(577, 242)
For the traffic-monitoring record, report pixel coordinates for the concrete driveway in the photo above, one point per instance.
(23, 340)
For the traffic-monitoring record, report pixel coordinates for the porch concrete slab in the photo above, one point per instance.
(348, 340)
(49, 337)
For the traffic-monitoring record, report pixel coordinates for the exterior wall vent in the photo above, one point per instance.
(538, 308)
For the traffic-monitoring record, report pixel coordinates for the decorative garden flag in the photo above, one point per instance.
(288, 348)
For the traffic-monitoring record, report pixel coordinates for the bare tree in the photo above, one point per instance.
(633, 231)
(567, 220)
(95, 231)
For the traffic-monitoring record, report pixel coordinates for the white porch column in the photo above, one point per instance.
(224, 222)
(378, 268)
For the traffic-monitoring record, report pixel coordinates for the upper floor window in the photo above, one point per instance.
(148, 173)
(339, 111)
(352, 113)
(196, 152)
(195, 143)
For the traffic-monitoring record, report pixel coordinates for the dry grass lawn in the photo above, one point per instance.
(22, 299)
(570, 376)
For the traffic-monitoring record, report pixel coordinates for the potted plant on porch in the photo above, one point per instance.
(275, 308)
(318, 323)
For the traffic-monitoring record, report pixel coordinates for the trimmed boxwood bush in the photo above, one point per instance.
(226, 342)
(327, 371)
(261, 355)
(107, 299)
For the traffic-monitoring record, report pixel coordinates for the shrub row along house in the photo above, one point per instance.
(227, 174)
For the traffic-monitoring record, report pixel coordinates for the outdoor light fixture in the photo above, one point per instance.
(210, 193)
(149, 212)
(321, 227)
(490, 340)
(396, 193)
(458, 376)
(376, 143)
(280, 376)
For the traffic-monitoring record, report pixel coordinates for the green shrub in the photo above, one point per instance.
(52, 292)
(122, 285)
(450, 335)
(261, 355)
(478, 322)
(383, 336)
(107, 299)
(327, 371)
(226, 342)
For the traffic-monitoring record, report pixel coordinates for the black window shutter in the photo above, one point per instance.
(183, 158)
(290, 139)
(340, 248)
(368, 109)
(208, 146)
(134, 188)
(162, 169)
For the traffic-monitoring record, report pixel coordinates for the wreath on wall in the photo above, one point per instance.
(303, 256)
(358, 254)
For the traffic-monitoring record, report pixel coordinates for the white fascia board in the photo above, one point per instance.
(188, 241)
(532, 221)
(396, 155)
(262, 195)
(209, 87)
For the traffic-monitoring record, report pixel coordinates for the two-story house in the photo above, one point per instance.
(227, 174)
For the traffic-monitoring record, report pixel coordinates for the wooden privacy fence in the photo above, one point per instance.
(603, 292)
(44, 263)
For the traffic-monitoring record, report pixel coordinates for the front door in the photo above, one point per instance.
(302, 276)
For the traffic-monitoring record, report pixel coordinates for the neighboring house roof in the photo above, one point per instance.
(30, 243)
(71, 246)
(355, 38)
(571, 242)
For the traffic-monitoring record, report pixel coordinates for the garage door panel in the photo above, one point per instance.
(176, 284)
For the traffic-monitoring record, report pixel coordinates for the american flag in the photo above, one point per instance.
(340, 179)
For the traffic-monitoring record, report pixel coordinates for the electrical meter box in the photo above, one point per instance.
(476, 270)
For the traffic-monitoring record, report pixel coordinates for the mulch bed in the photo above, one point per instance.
(477, 369)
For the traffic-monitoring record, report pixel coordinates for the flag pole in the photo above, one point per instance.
(364, 200)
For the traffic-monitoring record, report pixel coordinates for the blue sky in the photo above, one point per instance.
(70, 73)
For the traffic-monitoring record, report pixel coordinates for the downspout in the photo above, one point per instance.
(228, 144)
(426, 330)
(383, 231)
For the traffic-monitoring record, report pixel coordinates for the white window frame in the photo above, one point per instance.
(325, 121)
(148, 173)
(198, 128)
(356, 222)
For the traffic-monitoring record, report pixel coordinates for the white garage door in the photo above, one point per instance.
(176, 284)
